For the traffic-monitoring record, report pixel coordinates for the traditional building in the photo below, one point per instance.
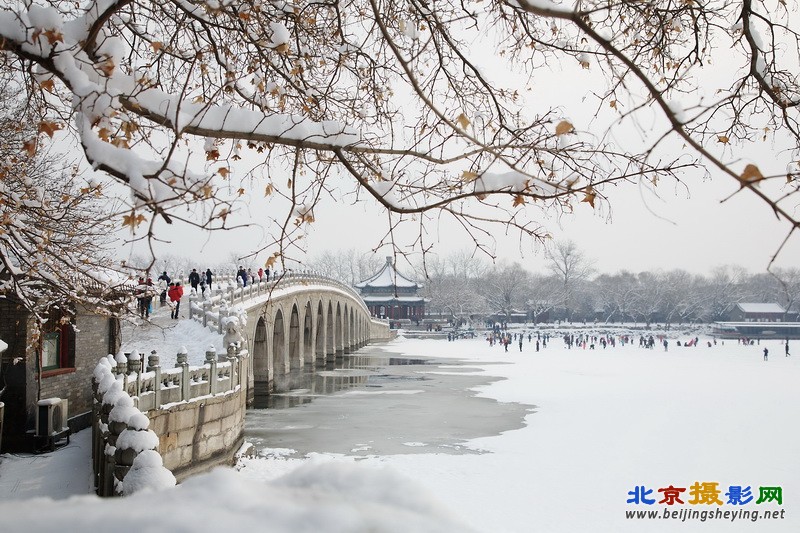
(389, 294)
(757, 312)
(56, 362)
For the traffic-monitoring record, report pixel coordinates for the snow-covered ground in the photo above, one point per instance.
(604, 422)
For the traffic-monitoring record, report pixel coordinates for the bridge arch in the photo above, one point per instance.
(307, 354)
(351, 328)
(295, 363)
(310, 324)
(279, 360)
(319, 348)
(339, 334)
(261, 359)
(329, 335)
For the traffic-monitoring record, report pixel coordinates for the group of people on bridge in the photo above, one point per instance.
(247, 275)
(170, 291)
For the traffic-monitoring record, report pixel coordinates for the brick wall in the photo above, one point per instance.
(22, 380)
(91, 343)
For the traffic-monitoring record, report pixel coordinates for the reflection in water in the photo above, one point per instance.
(301, 386)
(402, 407)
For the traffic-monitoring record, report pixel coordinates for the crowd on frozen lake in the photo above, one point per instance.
(610, 436)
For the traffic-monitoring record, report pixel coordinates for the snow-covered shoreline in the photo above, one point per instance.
(605, 421)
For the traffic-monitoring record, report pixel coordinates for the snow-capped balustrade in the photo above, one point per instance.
(122, 443)
(216, 305)
(196, 414)
(154, 386)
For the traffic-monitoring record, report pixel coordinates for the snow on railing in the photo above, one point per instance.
(155, 387)
(215, 306)
(124, 449)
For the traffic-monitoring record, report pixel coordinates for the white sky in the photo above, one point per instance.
(694, 233)
(685, 228)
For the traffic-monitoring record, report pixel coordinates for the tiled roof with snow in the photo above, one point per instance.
(761, 308)
(389, 297)
(388, 276)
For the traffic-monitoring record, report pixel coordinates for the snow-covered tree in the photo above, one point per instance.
(648, 298)
(54, 227)
(571, 267)
(722, 291)
(453, 284)
(206, 103)
(505, 288)
(788, 290)
(544, 292)
(348, 266)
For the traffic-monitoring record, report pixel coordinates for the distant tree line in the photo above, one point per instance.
(463, 286)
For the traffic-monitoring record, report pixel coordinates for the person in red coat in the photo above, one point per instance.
(175, 293)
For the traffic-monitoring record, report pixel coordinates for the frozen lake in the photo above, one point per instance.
(379, 402)
(556, 440)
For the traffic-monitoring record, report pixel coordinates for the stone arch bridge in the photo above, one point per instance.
(293, 323)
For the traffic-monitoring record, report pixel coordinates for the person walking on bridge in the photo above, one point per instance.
(175, 294)
(194, 280)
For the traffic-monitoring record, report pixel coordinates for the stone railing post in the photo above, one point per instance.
(186, 384)
(138, 444)
(205, 313)
(192, 300)
(223, 314)
(154, 366)
(135, 367)
(242, 378)
(213, 378)
(115, 428)
(122, 368)
(232, 359)
(104, 463)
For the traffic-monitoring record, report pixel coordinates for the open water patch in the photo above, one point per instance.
(374, 403)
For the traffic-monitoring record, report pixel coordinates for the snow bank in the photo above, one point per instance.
(331, 497)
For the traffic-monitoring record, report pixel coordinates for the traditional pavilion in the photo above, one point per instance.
(389, 294)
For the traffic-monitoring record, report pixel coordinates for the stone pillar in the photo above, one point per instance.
(135, 367)
(223, 314)
(122, 368)
(133, 440)
(186, 384)
(115, 427)
(213, 378)
(154, 366)
(234, 361)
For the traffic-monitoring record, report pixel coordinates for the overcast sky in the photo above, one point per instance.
(684, 227)
(695, 233)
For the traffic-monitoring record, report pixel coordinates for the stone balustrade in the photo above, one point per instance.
(217, 305)
(196, 413)
(154, 386)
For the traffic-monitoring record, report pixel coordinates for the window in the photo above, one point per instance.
(50, 345)
(58, 347)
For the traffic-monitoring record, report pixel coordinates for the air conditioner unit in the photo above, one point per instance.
(51, 418)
